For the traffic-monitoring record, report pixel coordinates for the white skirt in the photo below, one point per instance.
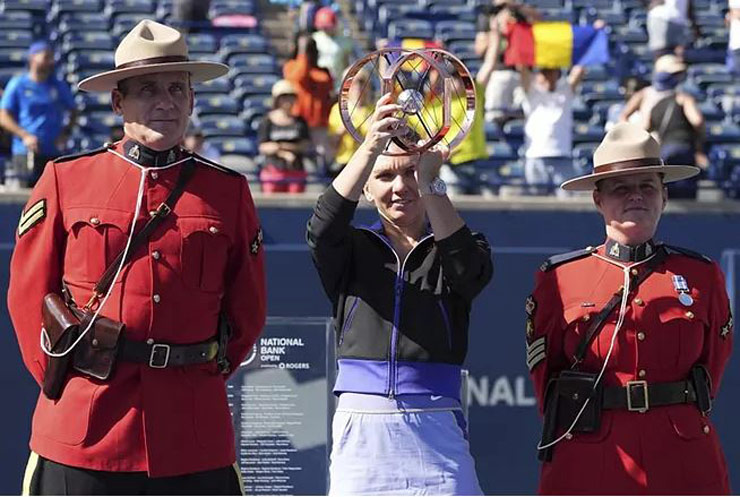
(400, 450)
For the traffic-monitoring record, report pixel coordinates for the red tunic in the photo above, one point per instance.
(666, 450)
(205, 257)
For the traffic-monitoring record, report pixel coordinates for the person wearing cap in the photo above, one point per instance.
(627, 342)
(196, 142)
(33, 109)
(675, 120)
(335, 50)
(284, 140)
(191, 295)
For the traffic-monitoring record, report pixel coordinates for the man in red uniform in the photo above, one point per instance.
(161, 423)
(625, 378)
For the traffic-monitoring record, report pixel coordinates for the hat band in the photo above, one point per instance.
(628, 164)
(153, 60)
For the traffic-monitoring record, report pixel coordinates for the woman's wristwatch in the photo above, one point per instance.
(435, 187)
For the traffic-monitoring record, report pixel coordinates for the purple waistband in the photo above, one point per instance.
(369, 402)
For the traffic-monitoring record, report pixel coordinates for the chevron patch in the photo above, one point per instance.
(536, 352)
(31, 217)
(254, 247)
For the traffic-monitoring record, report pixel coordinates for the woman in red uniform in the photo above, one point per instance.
(625, 379)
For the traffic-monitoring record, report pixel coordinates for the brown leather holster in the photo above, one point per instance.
(95, 355)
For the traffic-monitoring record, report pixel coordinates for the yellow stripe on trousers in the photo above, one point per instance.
(33, 462)
(239, 475)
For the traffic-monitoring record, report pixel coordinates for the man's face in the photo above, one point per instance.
(632, 205)
(548, 78)
(155, 108)
(392, 187)
(42, 61)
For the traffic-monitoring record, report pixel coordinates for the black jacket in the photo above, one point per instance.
(402, 326)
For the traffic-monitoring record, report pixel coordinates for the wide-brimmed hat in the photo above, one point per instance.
(669, 63)
(282, 87)
(628, 149)
(149, 48)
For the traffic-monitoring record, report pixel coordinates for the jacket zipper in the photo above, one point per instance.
(348, 321)
(398, 293)
(446, 319)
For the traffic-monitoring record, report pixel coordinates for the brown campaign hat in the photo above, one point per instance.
(151, 47)
(628, 149)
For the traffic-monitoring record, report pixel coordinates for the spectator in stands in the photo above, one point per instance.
(306, 15)
(190, 15)
(629, 86)
(283, 141)
(676, 121)
(195, 140)
(733, 47)
(33, 109)
(313, 87)
(341, 143)
(502, 100)
(669, 25)
(643, 100)
(335, 50)
(548, 131)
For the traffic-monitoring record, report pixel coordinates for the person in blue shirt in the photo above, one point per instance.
(33, 108)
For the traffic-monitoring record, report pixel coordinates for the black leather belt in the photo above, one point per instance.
(163, 355)
(640, 395)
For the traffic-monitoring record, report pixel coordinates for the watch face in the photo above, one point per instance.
(438, 186)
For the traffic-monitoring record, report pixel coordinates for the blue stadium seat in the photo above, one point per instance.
(18, 19)
(243, 43)
(629, 34)
(253, 63)
(708, 19)
(218, 85)
(89, 40)
(258, 103)
(114, 7)
(718, 90)
(547, 4)
(8, 72)
(202, 42)
(16, 38)
(235, 7)
(221, 104)
(454, 30)
(597, 73)
(608, 87)
(701, 55)
(514, 130)
(558, 14)
(704, 80)
(64, 8)
(584, 132)
(500, 151)
(90, 59)
(706, 68)
(410, 28)
(459, 12)
(240, 146)
(581, 112)
(123, 23)
(711, 112)
(92, 101)
(99, 122)
(723, 133)
(232, 126)
(722, 159)
(13, 57)
(256, 81)
(27, 5)
(82, 21)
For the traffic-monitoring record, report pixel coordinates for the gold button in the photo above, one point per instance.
(586, 317)
(639, 301)
(635, 272)
(213, 229)
(156, 298)
(641, 336)
(94, 221)
(641, 373)
(689, 314)
(154, 174)
(569, 436)
(156, 255)
(706, 429)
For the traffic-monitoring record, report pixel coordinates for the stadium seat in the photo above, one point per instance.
(711, 111)
(90, 40)
(454, 30)
(410, 28)
(99, 122)
(701, 55)
(16, 38)
(232, 126)
(115, 7)
(722, 159)
(202, 42)
(90, 59)
(13, 57)
(722, 133)
(233, 145)
(218, 85)
(243, 44)
(253, 63)
(8, 72)
(19, 19)
(221, 104)
(27, 5)
(238, 7)
(92, 101)
(80, 22)
(123, 23)
(262, 83)
(584, 132)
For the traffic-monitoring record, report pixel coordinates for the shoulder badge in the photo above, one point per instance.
(215, 165)
(560, 259)
(254, 246)
(85, 153)
(673, 250)
(31, 217)
(727, 328)
(536, 352)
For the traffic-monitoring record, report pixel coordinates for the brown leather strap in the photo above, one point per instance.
(628, 164)
(153, 60)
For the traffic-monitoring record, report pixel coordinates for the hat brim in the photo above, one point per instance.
(199, 71)
(670, 174)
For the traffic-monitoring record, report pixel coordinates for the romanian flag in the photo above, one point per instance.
(413, 44)
(555, 45)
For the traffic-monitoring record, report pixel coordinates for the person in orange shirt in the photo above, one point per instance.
(314, 86)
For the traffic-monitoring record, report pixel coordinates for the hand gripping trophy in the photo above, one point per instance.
(434, 89)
